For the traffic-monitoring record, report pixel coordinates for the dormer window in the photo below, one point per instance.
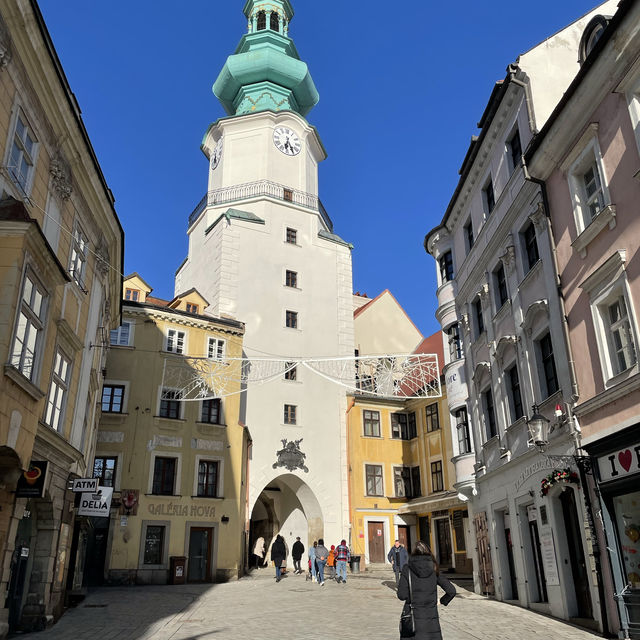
(262, 21)
(132, 294)
(591, 35)
(274, 22)
(192, 308)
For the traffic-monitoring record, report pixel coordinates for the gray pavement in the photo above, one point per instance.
(256, 608)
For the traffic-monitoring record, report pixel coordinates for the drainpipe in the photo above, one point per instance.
(352, 404)
(513, 69)
(574, 426)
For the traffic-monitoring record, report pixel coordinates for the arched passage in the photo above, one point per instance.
(286, 506)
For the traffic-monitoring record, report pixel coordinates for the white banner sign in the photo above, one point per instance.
(96, 504)
(548, 549)
(619, 464)
(85, 485)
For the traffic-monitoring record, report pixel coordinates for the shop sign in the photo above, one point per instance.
(622, 463)
(85, 485)
(532, 469)
(184, 510)
(31, 482)
(548, 550)
(96, 504)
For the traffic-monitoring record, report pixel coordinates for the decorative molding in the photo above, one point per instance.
(481, 367)
(605, 273)
(509, 259)
(539, 217)
(539, 306)
(483, 294)
(606, 217)
(607, 397)
(590, 132)
(465, 322)
(103, 259)
(111, 437)
(69, 336)
(61, 177)
(502, 345)
(6, 52)
(290, 456)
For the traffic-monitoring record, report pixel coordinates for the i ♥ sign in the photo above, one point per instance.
(619, 464)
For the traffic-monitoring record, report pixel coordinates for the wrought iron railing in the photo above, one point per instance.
(259, 189)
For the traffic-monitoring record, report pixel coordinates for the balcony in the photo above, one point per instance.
(455, 379)
(261, 189)
(447, 294)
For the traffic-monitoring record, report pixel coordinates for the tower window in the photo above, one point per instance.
(262, 20)
(274, 21)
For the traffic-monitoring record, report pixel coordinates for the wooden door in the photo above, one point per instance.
(443, 536)
(484, 553)
(376, 542)
(404, 535)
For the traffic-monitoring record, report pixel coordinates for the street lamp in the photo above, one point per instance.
(538, 428)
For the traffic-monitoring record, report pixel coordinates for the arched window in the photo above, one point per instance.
(274, 22)
(262, 20)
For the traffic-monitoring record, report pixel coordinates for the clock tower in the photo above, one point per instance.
(263, 250)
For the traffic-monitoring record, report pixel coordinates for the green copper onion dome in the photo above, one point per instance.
(265, 72)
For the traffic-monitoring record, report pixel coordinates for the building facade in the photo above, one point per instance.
(263, 249)
(178, 468)
(507, 351)
(588, 156)
(61, 246)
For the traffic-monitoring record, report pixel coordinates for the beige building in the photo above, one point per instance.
(177, 464)
(61, 250)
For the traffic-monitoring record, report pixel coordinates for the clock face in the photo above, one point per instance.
(217, 154)
(287, 141)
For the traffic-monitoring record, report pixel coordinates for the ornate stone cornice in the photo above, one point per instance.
(103, 261)
(6, 52)
(61, 177)
(509, 258)
(539, 217)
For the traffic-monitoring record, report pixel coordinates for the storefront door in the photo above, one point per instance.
(512, 565)
(443, 536)
(484, 553)
(405, 537)
(376, 542)
(200, 542)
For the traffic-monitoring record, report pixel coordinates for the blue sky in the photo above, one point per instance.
(401, 92)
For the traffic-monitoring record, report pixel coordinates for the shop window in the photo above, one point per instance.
(154, 545)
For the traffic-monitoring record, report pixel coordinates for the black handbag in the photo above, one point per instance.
(407, 621)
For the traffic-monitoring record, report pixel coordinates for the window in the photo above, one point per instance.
(500, 279)
(164, 476)
(402, 482)
(399, 426)
(22, 156)
(29, 327)
(515, 397)
(132, 294)
(170, 402)
(274, 21)
(262, 21)
(478, 317)
(292, 236)
(192, 308)
(446, 267)
(468, 234)
(488, 197)
(437, 481)
(593, 193)
(371, 421)
(622, 350)
(491, 428)
(291, 279)
(208, 479)
(175, 341)
(413, 429)
(216, 348)
(530, 246)
(112, 398)
(120, 337)
(78, 260)
(210, 411)
(455, 342)
(291, 371)
(374, 480)
(104, 468)
(514, 147)
(154, 545)
(58, 391)
(292, 319)
(415, 482)
(290, 414)
(462, 427)
(550, 377)
(432, 420)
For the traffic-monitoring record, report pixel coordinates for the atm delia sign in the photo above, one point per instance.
(96, 504)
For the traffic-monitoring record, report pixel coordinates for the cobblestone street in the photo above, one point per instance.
(256, 608)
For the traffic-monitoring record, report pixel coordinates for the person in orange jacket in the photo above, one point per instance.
(331, 561)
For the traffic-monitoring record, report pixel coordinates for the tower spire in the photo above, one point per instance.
(265, 72)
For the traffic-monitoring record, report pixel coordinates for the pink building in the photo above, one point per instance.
(588, 156)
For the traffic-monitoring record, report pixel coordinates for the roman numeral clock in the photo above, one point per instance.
(287, 141)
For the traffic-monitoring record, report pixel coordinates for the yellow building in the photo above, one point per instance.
(178, 465)
(61, 247)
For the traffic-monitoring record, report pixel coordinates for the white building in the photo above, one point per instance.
(506, 349)
(262, 250)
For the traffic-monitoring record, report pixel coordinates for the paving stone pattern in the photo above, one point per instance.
(256, 608)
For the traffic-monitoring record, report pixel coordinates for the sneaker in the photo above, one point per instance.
(313, 579)
(322, 584)
(277, 579)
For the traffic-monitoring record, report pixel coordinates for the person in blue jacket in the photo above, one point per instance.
(398, 557)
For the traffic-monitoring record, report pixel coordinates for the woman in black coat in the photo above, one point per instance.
(278, 555)
(425, 579)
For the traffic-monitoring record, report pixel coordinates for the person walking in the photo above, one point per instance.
(343, 555)
(331, 562)
(398, 557)
(322, 554)
(296, 553)
(422, 594)
(258, 552)
(278, 555)
(312, 561)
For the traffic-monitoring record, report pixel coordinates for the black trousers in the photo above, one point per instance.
(296, 564)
